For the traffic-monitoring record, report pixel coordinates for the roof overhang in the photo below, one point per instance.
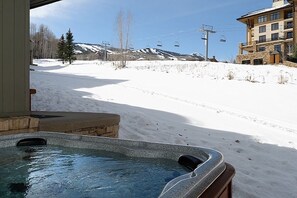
(39, 3)
(250, 15)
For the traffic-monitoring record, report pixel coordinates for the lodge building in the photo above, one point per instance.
(270, 34)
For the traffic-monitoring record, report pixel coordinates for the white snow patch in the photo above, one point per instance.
(78, 52)
(243, 111)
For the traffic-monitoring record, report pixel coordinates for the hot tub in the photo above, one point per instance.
(193, 171)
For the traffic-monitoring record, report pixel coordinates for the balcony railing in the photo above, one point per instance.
(288, 26)
(289, 16)
(269, 40)
(246, 44)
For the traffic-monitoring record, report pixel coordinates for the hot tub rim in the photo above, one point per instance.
(187, 184)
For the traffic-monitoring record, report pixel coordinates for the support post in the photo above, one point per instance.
(206, 29)
(105, 50)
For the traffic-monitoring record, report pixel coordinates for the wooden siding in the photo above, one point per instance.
(14, 54)
(1, 57)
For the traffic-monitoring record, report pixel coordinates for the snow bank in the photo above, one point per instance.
(221, 71)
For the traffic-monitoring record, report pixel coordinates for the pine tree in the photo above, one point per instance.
(61, 48)
(69, 48)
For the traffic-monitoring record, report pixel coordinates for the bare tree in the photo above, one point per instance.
(123, 23)
(32, 33)
(33, 29)
(44, 42)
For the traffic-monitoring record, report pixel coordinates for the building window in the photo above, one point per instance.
(262, 39)
(261, 48)
(289, 15)
(258, 61)
(274, 36)
(289, 35)
(246, 62)
(262, 19)
(274, 26)
(289, 25)
(277, 48)
(275, 16)
(262, 29)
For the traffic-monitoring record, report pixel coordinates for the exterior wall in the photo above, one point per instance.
(15, 125)
(265, 55)
(250, 35)
(26, 124)
(290, 64)
(295, 19)
(282, 23)
(277, 3)
(251, 57)
(104, 131)
(14, 57)
(268, 27)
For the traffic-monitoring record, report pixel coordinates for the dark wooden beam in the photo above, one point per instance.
(39, 3)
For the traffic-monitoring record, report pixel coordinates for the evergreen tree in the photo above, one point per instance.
(69, 48)
(61, 48)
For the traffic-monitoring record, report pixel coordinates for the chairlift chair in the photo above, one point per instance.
(203, 37)
(159, 44)
(176, 44)
(223, 39)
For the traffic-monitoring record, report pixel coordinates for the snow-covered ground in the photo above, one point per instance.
(249, 113)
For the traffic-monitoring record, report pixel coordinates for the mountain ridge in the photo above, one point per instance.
(88, 51)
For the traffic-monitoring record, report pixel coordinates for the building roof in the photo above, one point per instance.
(38, 3)
(265, 10)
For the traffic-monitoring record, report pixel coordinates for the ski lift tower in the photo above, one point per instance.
(105, 50)
(206, 30)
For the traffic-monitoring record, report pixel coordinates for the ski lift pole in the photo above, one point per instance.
(206, 45)
(206, 29)
(105, 49)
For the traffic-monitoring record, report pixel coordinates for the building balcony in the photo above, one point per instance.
(289, 16)
(288, 27)
(289, 38)
(247, 47)
(270, 40)
(247, 44)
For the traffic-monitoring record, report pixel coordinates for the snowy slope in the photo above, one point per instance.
(81, 48)
(153, 53)
(250, 118)
(158, 52)
(167, 55)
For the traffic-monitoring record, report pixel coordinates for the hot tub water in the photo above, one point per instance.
(54, 171)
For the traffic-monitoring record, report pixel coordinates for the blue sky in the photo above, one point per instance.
(168, 21)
